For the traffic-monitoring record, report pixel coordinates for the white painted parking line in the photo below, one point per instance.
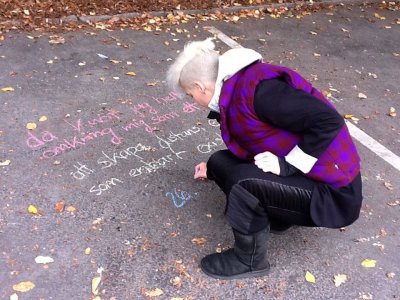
(374, 146)
(355, 132)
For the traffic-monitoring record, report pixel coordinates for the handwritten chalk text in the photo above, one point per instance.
(112, 160)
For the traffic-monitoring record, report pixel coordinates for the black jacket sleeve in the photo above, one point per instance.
(282, 106)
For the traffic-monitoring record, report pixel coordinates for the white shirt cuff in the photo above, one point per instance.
(302, 161)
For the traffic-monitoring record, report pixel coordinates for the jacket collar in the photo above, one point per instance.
(231, 62)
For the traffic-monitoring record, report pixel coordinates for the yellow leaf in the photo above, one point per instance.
(31, 126)
(339, 279)
(50, 61)
(87, 251)
(32, 209)
(153, 83)
(71, 209)
(42, 119)
(348, 116)
(95, 284)
(7, 89)
(310, 277)
(131, 73)
(368, 263)
(154, 293)
(23, 286)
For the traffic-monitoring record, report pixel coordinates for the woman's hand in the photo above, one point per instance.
(268, 162)
(200, 171)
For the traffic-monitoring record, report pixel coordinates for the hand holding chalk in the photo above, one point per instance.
(200, 171)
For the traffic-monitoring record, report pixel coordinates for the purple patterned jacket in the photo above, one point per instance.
(245, 135)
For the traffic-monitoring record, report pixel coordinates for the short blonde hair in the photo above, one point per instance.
(198, 61)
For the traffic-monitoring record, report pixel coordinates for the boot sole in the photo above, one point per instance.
(257, 273)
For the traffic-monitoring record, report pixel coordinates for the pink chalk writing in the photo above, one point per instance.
(110, 115)
(166, 99)
(137, 124)
(140, 108)
(76, 142)
(190, 107)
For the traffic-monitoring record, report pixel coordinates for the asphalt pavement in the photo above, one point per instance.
(97, 159)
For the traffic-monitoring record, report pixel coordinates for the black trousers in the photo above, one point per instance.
(256, 198)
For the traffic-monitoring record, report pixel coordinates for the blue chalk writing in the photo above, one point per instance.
(178, 197)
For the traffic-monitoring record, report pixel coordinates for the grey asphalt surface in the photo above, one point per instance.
(119, 151)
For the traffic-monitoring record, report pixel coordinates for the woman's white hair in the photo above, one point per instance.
(198, 61)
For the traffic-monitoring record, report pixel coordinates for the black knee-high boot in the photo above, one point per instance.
(248, 258)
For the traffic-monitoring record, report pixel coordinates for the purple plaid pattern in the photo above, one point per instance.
(245, 135)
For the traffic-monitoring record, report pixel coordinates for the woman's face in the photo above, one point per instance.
(201, 93)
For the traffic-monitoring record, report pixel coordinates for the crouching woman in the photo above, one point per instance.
(289, 160)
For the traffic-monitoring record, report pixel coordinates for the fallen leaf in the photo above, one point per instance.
(50, 61)
(388, 185)
(199, 241)
(55, 39)
(42, 119)
(82, 63)
(131, 73)
(115, 61)
(32, 209)
(310, 277)
(339, 279)
(362, 96)
(313, 33)
(43, 260)
(176, 282)
(95, 284)
(327, 94)
(5, 163)
(152, 83)
(59, 206)
(102, 56)
(23, 286)
(31, 126)
(351, 117)
(390, 275)
(87, 251)
(71, 209)
(392, 112)
(7, 89)
(56, 162)
(154, 293)
(394, 203)
(317, 54)
(368, 263)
